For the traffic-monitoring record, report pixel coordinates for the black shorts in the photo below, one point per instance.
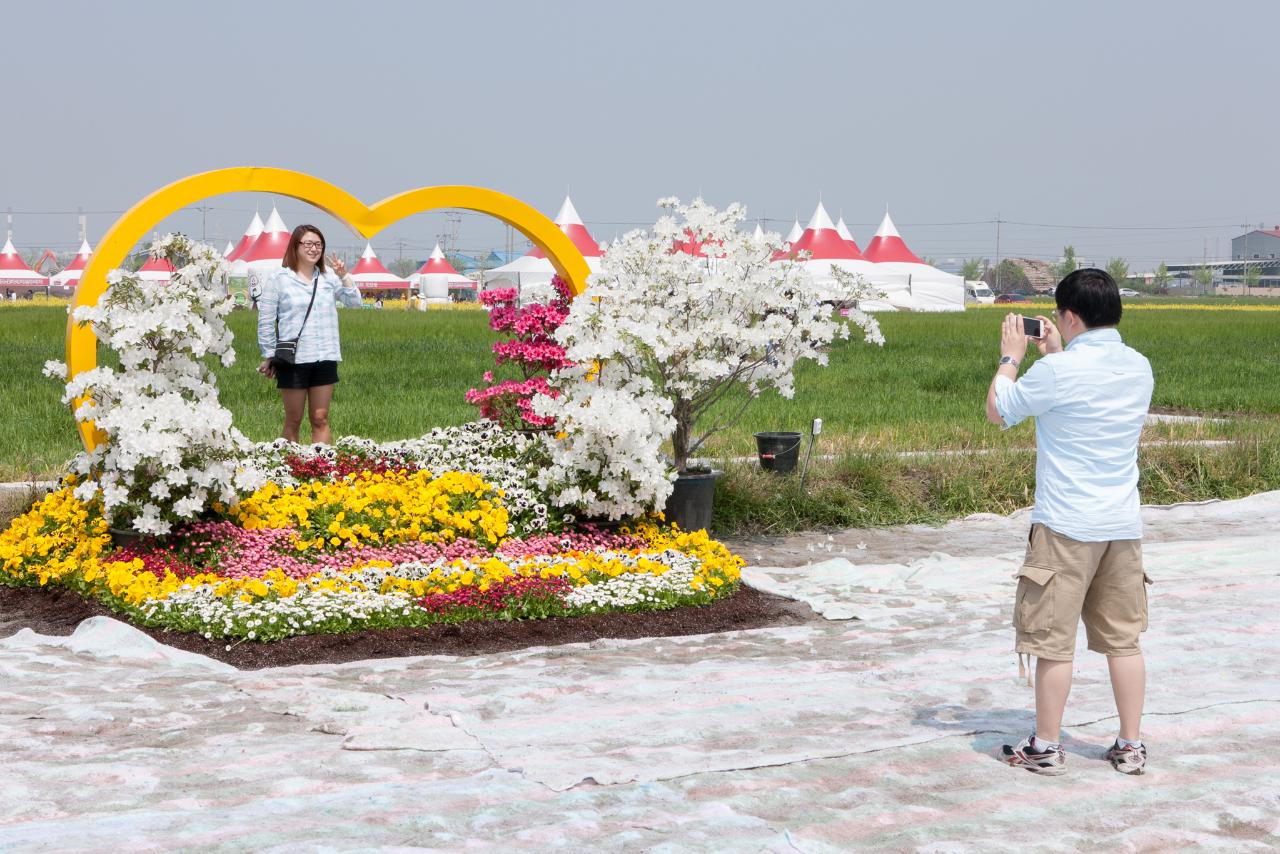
(306, 374)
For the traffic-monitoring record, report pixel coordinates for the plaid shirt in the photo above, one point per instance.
(283, 305)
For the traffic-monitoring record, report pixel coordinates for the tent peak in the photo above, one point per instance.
(821, 219)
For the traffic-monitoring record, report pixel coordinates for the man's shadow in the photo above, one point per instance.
(990, 729)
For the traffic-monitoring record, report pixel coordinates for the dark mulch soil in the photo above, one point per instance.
(57, 612)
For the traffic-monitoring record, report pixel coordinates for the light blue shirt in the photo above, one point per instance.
(1090, 402)
(283, 304)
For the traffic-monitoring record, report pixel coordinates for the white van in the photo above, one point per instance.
(978, 292)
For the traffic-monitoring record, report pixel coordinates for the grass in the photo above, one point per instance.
(925, 389)
(405, 372)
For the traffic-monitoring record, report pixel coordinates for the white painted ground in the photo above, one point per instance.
(875, 732)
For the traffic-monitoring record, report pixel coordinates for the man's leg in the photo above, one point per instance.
(1129, 685)
(1053, 685)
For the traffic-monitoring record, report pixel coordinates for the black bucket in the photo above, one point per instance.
(779, 452)
(692, 501)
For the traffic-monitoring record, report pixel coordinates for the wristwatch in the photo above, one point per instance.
(1008, 360)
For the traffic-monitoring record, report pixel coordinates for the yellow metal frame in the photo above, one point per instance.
(82, 351)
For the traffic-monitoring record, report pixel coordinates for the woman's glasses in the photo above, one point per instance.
(310, 244)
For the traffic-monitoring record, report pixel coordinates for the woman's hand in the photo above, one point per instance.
(267, 369)
(339, 268)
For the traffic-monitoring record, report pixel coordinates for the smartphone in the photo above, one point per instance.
(1033, 327)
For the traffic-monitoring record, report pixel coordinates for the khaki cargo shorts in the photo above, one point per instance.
(1063, 580)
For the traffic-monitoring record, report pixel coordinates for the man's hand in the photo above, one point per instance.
(1013, 340)
(267, 369)
(1052, 340)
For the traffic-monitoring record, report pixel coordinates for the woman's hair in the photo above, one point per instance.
(291, 254)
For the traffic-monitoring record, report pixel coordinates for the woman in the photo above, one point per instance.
(306, 385)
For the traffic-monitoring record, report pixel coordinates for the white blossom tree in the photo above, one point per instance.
(674, 333)
(171, 449)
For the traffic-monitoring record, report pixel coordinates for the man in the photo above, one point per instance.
(1089, 394)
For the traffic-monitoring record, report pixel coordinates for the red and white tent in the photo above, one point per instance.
(827, 249)
(794, 234)
(888, 246)
(438, 265)
(155, 270)
(15, 276)
(434, 279)
(843, 231)
(907, 282)
(68, 277)
(532, 272)
(267, 249)
(370, 275)
(230, 247)
(250, 234)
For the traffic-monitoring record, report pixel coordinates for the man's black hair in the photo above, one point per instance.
(1092, 294)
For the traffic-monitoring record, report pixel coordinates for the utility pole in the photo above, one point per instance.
(997, 252)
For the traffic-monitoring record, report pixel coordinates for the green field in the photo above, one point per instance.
(405, 372)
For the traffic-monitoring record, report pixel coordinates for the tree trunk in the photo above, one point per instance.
(680, 437)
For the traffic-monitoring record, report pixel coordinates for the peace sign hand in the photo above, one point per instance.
(339, 268)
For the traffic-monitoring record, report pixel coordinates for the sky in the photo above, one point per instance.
(1133, 129)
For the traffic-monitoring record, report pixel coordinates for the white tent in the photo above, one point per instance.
(908, 282)
(532, 272)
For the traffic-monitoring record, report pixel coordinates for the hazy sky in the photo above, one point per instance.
(1156, 119)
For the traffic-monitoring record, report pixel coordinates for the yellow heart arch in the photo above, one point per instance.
(82, 351)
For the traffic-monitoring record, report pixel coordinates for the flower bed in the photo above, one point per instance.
(332, 547)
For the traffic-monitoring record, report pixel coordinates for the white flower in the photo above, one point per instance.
(168, 437)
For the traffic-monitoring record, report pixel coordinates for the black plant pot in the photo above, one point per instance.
(693, 500)
(779, 452)
(121, 537)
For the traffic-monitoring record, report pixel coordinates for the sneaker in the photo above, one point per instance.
(1127, 760)
(1022, 756)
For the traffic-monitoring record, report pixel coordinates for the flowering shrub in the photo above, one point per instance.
(224, 580)
(508, 460)
(170, 448)
(532, 347)
(666, 336)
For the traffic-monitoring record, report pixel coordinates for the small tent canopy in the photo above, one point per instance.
(571, 224)
(67, 279)
(15, 276)
(843, 231)
(370, 275)
(155, 270)
(267, 250)
(438, 265)
(250, 234)
(794, 234)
